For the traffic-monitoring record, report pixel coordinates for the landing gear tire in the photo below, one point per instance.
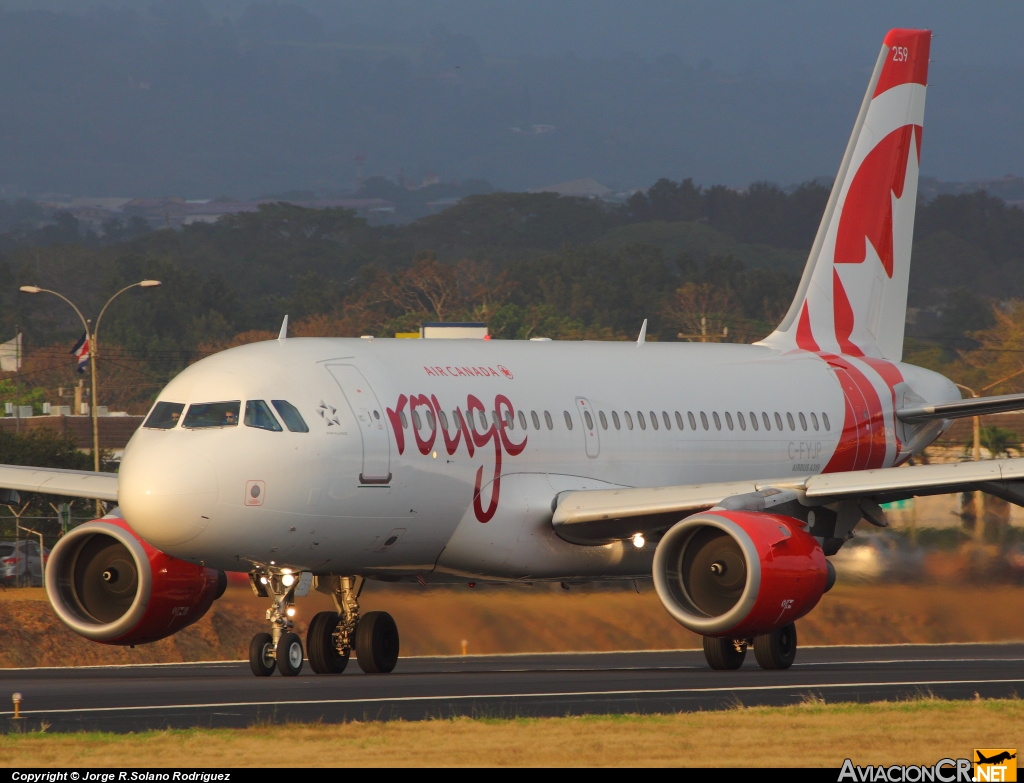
(377, 643)
(776, 650)
(324, 657)
(722, 654)
(261, 657)
(289, 654)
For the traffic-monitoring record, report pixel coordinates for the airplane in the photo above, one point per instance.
(727, 473)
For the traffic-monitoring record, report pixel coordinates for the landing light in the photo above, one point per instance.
(287, 580)
(290, 611)
(638, 540)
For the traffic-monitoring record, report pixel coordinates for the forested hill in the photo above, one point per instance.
(699, 263)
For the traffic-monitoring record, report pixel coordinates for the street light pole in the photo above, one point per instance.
(976, 453)
(91, 334)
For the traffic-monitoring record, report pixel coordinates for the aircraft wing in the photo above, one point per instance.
(56, 481)
(593, 517)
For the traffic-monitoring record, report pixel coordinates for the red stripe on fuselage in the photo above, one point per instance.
(863, 441)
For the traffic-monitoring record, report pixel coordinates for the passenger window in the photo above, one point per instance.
(495, 419)
(604, 420)
(258, 415)
(416, 420)
(629, 420)
(548, 421)
(728, 420)
(704, 421)
(778, 421)
(767, 421)
(483, 421)
(510, 420)
(522, 420)
(718, 421)
(693, 421)
(824, 418)
(290, 415)
(654, 420)
(589, 419)
(742, 420)
(679, 420)
(615, 420)
(666, 420)
(641, 420)
(792, 425)
(405, 421)
(165, 415)
(803, 422)
(568, 419)
(753, 421)
(536, 420)
(814, 421)
(457, 418)
(212, 414)
(444, 420)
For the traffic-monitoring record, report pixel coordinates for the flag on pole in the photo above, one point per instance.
(81, 350)
(10, 355)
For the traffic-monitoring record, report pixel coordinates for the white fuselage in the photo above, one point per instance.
(365, 491)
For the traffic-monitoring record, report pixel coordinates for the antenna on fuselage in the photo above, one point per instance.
(643, 334)
(284, 329)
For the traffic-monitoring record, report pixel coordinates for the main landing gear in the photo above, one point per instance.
(332, 636)
(775, 650)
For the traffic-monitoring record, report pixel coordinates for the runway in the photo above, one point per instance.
(214, 695)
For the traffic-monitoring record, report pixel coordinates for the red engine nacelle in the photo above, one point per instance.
(739, 573)
(109, 585)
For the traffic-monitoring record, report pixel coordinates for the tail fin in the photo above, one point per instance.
(852, 298)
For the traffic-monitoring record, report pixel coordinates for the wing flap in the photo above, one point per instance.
(55, 481)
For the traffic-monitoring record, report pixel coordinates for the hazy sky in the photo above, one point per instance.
(799, 69)
(813, 32)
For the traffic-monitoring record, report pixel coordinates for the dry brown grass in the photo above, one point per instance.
(434, 621)
(807, 735)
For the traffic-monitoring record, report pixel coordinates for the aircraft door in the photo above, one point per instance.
(369, 415)
(588, 416)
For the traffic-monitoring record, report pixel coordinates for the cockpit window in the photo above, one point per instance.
(292, 418)
(212, 414)
(165, 415)
(258, 415)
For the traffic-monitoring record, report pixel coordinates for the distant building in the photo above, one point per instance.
(579, 188)
(373, 210)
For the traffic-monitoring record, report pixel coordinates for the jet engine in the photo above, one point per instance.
(739, 573)
(110, 586)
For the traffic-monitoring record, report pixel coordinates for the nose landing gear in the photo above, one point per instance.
(281, 648)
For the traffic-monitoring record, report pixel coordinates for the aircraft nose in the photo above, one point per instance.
(167, 498)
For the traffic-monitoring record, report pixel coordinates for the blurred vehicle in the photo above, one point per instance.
(1015, 560)
(878, 558)
(20, 563)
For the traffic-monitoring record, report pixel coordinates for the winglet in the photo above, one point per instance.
(643, 334)
(284, 329)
